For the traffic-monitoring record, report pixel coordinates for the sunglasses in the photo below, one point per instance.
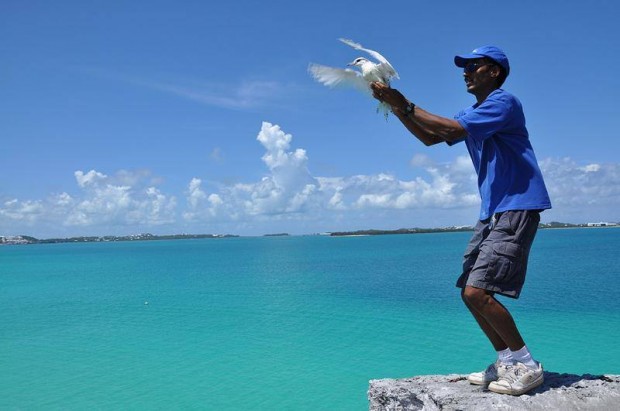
(472, 67)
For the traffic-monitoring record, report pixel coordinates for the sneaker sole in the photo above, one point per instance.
(478, 382)
(503, 390)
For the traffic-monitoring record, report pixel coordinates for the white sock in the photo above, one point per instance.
(505, 356)
(523, 355)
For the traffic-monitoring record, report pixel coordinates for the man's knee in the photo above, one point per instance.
(476, 297)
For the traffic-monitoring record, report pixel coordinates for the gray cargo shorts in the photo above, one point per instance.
(496, 256)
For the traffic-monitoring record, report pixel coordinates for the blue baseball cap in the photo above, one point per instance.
(494, 53)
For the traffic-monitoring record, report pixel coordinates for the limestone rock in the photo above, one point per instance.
(564, 392)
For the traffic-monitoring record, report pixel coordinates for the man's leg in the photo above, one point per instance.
(504, 355)
(496, 322)
(500, 266)
(493, 318)
(496, 340)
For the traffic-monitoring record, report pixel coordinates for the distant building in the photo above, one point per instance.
(601, 224)
(18, 239)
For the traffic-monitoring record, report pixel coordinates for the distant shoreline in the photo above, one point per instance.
(416, 230)
(552, 225)
(23, 239)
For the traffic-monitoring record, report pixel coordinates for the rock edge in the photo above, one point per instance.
(454, 392)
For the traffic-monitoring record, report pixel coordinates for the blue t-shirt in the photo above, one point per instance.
(508, 174)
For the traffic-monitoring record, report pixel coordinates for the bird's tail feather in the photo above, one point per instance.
(384, 109)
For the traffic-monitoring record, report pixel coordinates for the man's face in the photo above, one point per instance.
(480, 75)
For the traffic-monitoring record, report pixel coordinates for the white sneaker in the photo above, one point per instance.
(492, 373)
(518, 380)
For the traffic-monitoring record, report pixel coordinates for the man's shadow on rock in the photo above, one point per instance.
(554, 380)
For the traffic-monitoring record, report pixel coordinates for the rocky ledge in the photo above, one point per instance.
(453, 392)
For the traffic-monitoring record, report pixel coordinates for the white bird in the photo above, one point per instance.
(369, 72)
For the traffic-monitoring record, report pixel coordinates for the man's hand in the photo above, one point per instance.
(388, 95)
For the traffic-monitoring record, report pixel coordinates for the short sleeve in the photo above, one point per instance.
(456, 117)
(487, 119)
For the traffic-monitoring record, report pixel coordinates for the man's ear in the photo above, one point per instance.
(495, 71)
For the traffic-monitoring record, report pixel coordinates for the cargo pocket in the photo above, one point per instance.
(506, 262)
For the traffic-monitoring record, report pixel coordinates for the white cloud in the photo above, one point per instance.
(27, 212)
(103, 203)
(287, 188)
(63, 200)
(239, 94)
(335, 202)
(288, 191)
(156, 209)
(289, 196)
(575, 187)
(591, 168)
(216, 155)
(242, 95)
(195, 193)
(421, 160)
(92, 177)
(215, 200)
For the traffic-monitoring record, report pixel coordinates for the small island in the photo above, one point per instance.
(402, 231)
(24, 239)
(553, 224)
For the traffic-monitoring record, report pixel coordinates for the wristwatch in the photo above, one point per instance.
(409, 109)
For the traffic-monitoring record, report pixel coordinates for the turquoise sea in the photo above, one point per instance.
(280, 323)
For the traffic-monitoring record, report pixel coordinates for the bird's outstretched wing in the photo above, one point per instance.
(386, 67)
(337, 77)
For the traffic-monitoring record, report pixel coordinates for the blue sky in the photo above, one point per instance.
(200, 117)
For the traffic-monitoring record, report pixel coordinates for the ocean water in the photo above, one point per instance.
(280, 323)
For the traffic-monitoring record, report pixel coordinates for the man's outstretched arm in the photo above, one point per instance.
(427, 127)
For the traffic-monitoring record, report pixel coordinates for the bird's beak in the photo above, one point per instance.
(351, 63)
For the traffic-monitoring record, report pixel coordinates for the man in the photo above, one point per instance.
(513, 194)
